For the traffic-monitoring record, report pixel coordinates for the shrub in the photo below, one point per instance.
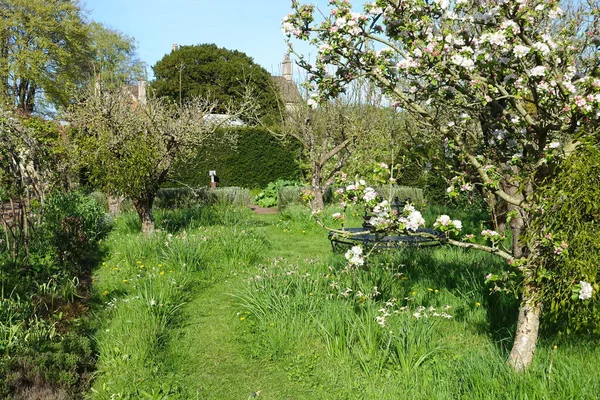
(73, 224)
(403, 193)
(169, 198)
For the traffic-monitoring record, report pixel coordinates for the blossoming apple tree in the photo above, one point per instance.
(519, 78)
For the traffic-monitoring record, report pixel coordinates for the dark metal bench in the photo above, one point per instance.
(370, 239)
(367, 237)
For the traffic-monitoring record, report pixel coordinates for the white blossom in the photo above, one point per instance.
(540, 70)
(497, 38)
(443, 220)
(463, 61)
(520, 51)
(586, 290)
(354, 256)
(542, 48)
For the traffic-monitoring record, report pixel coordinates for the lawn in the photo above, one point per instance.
(225, 304)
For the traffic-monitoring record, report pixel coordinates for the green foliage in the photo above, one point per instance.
(130, 149)
(142, 287)
(219, 74)
(257, 159)
(43, 49)
(568, 231)
(269, 197)
(43, 351)
(113, 56)
(74, 224)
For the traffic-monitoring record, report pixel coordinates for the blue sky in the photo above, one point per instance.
(251, 26)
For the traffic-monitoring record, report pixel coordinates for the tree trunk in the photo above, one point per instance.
(318, 203)
(528, 325)
(144, 210)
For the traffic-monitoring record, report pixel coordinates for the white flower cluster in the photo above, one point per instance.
(445, 223)
(586, 290)
(381, 216)
(426, 312)
(488, 233)
(413, 219)
(354, 256)
(369, 194)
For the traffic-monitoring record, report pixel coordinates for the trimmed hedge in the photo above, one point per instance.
(257, 159)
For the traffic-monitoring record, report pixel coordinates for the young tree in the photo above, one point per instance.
(128, 147)
(216, 73)
(520, 78)
(333, 131)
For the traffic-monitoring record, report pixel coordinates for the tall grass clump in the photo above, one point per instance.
(142, 286)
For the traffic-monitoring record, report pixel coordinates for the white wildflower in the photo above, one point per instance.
(586, 290)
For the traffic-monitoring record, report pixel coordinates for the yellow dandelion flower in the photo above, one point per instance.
(162, 272)
(159, 265)
(413, 293)
(115, 269)
(242, 318)
(139, 261)
(125, 280)
(310, 294)
(436, 291)
(555, 347)
(105, 292)
(430, 289)
(477, 304)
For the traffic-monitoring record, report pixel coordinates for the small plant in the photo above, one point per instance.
(269, 197)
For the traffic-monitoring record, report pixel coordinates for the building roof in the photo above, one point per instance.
(222, 120)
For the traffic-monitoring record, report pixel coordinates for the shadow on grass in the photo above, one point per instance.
(180, 219)
(462, 273)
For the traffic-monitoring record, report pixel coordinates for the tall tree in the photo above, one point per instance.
(520, 79)
(215, 73)
(43, 51)
(113, 57)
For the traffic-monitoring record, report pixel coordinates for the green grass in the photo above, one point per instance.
(250, 303)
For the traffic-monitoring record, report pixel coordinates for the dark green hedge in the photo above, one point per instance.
(257, 159)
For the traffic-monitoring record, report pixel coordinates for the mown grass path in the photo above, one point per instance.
(211, 358)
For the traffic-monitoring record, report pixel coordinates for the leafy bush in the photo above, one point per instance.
(567, 235)
(270, 195)
(74, 223)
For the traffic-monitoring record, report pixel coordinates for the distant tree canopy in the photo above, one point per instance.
(43, 50)
(48, 51)
(113, 59)
(216, 73)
